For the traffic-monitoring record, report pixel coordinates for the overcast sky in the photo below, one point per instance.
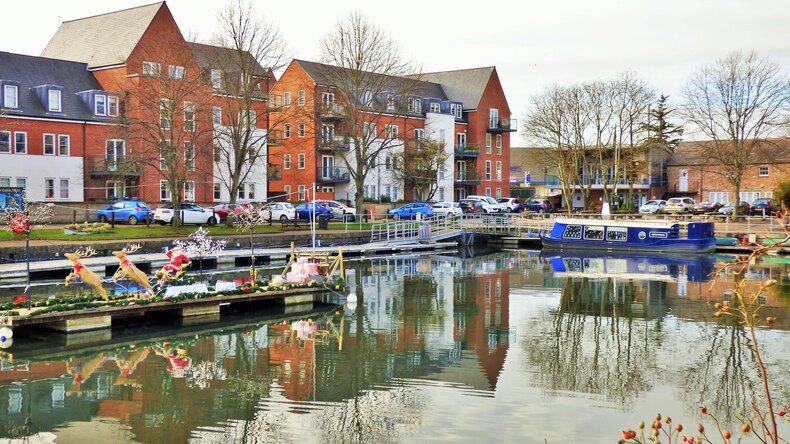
(532, 43)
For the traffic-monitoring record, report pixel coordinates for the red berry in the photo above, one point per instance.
(781, 413)
(726, 434)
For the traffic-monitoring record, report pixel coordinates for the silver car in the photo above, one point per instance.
(447, 208)
(339, 211)
(652, 206)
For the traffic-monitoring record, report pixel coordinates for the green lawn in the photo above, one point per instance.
(153, 232)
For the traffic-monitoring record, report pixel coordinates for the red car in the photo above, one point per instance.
(223, 210)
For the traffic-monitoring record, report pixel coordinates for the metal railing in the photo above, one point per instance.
(334, 143)
(119, 166)
(467, 150)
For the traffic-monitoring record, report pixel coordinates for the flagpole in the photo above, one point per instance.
(313, 217)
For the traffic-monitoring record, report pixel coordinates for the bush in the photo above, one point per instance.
(93, 228)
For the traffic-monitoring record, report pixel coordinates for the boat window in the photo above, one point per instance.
(593, 233)
(572, 232)
(617, 234)
(572, 264)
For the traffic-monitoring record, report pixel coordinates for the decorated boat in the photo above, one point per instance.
(630, 235)
(653, 267)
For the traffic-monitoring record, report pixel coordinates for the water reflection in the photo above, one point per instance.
(437, 348)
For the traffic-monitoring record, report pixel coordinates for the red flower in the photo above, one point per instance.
(246, 290)
(19, 299)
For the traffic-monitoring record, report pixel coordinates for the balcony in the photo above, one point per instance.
(502, 126)
(274, 172)
(332, 174)
(112, 167)
(331, 111)
(467, 151)
(334, 143)
(274, 138)
(467, 178)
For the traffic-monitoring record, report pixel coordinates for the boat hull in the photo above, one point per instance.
(665, 246)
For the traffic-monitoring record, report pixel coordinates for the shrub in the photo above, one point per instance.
(93, 228)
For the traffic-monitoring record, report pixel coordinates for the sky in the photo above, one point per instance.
(532, 44)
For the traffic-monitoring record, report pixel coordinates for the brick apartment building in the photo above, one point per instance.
(459, 109)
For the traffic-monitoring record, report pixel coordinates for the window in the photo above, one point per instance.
(499, 193)
(286, 130)
(114, 189)
(5, 141)
(49, 188)
(21, 182)
(151, 69)
(164, 149)
(300, 97)
(189, 155)
(327, 189)
(749, 196)
(64, 188)
(592, 232)
(419, 134)
(301, 192)
(617, 234)
(164, 191)
(5, 181)
(300, 161)
(49, 144)
(216, 78)
(112, 106)
(369, 129)
(488, 170)
(391, 131)
(286, 161)
(415, 105)
(388, 162)
(488, 191)
(499, 171)
(499, 144)
(763, 172)
(458, 111)
(10, 96)
(189, 116)
(20, 142)
(54, 100)
(300, 129)
(493, 118)
(287, 192)
(436, 107)
(164, 114)
(460, 139)
(719, 196)
(327, 99)
(217, 191)
(64, 145)
(248, 119)
(217, 153)
(189, 191)
(251, 191)
(217, 116)
(488, 143)
(572, 232)
(240, 191)
(176, 72)
(100, 108)
(287, 98)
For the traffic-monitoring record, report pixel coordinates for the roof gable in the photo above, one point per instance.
(102, 40)
(463, 85)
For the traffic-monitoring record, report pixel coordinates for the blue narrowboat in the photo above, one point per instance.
(630, 235)
(652, 267)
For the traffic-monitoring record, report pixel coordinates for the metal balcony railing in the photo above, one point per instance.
(119, 166)
(274, 138)
(333, 174)
(334, 143)
(503, 125)
(331, 110)
(467, 177)
(467, 150)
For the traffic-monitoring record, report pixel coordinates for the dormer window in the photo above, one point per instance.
(151, 69)
(112, 106)
(216, 78)
(100, 106)
(415, 105)
(10, 96)
(54, 96)
(436, 107)
(176, 72)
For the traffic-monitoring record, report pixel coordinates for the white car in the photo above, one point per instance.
(489, 204)
(447, 208)
(339, 211)
(508, 204)
(652, 206)
(190, 214)
(281, 211)
(680, 205)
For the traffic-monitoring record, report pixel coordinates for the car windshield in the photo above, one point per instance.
(653, 202)
(675, 201)
(760, 201)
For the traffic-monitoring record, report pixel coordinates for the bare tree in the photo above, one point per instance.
(165, 114)
(244, 53)
(737, 102)
(419, 166)
(376, 84)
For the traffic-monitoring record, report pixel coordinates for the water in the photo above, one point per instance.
(497, 348)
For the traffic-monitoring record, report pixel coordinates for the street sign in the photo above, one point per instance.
(12, 197)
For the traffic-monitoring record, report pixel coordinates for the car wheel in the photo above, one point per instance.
(132, 220)
(396, 216)
(161, 222)
(509, 210)
(540, 211)
(211, 221)
(283, 218)
(103, 219)
(348, 218)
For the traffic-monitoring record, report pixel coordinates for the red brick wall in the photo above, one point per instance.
(703, 180)
(493, 97)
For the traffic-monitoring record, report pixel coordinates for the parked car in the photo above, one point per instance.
(510, 204)
(680, 205)
(764, 206)
(130, 211)
(305, 210)
(652, 206)
(472, 206)
(447, 208)
(490, 205)
(743, 208)
(339, 211)
(707, 207)
(410, 211)
(281, 211)
(537, 205)
(191, 214)
(222, 210)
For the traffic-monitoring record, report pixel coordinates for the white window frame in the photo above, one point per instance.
(286, 130)
(151, 69)
(216, 116)
(719, 196)
(287, 98)
(113, 106)
(499, 144)
(61, 145)
(460, 139)
(286, 161)
(6, 135)
(300, 132)
(100, 99)
(54, 100)
(189, 155)
(498, 170)
(53, 144)
(251, 191)
(189, 117)
(488, 172)
(493, 118)
(459, 111)
(189, 191)
(17, 140)
(300, 161)
(499, 193)
(5, 181)
(488, 143)
(165, 195)
(287, 192)
(760, 172)
(435, 107)
(176, 72)
(391, 131)
(164, 114)
(118, 188)
(6, 96)
(488, 191)
(60, 189)
(21, 182)
(216, 78)
(49, 183)
(217, 191)
(300, 100)
(300, 192)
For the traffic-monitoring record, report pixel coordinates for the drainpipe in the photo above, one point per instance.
(84, 169)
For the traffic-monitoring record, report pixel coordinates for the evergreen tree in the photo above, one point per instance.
(660, 130)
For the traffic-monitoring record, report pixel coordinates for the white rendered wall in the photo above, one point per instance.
(35, 169)
(256, 176)
(435, 123)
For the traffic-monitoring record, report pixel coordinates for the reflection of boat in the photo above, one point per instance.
(695, 268)
(636, 235)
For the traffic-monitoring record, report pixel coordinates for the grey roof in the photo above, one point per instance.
(318, 72)
(101, 40)
(463, 85)
(31, 71)
(208, 56)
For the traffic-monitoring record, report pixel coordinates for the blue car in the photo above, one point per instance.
(130, 211)
(305, 210)
(410, 211)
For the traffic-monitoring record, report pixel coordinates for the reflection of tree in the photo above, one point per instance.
(592, 345)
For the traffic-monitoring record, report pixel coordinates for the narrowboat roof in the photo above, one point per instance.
(620, 223)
